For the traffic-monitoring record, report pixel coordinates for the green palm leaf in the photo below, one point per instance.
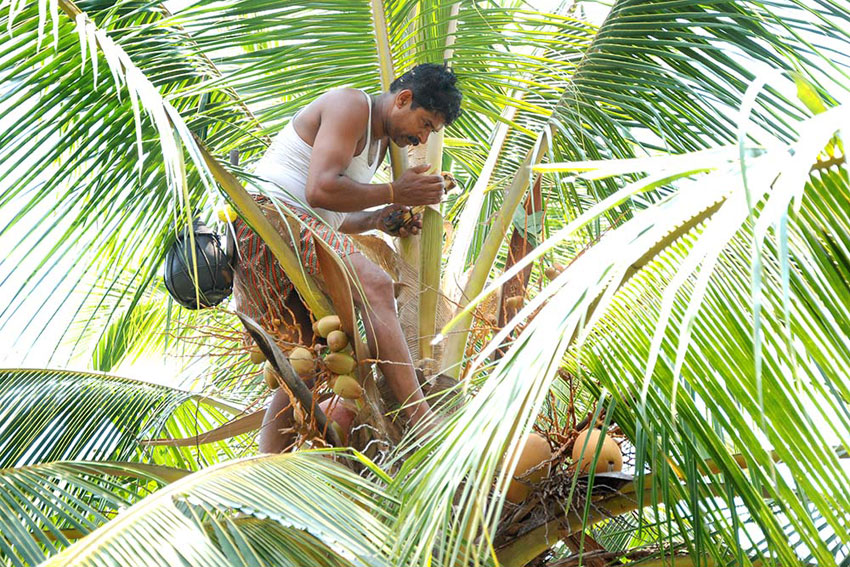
(113, 203)
(727, 386)
(52, 415)
(708, 324)
(47, 506)
(668, 76)
(661, 77)
(249, 512)
(131, 208)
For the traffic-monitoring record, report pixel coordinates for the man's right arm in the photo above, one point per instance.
(333, 149)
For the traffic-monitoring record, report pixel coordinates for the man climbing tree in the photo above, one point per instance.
(320, 166)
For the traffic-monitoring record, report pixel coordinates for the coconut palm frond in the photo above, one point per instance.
(509, 143)
(299, 508)
(54, 415)
(658, 538)
(47, 506)
(203, 348)
(657, 77)
(127, 335)
(757, 377)
(122, 208)
(93, 133)
(155, 326)
(206, 345)
(655, 74)
(756, 389)
(672, 77)
(294, 51)
(650, 78)
(191, 419)
(659, 545)
(748, 393)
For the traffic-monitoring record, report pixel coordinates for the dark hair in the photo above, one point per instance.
(433, 88)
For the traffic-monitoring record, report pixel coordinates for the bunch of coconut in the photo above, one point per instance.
(535, 460)
(338, 358)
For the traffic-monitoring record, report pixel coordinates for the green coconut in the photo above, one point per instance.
(340, 363)
(302, 361)
(347, 387)
(327, 324)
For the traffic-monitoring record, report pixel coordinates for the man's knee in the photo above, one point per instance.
(374, 283)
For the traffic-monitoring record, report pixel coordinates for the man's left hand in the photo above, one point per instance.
(388, 218)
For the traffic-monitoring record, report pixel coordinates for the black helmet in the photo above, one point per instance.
(215, 272)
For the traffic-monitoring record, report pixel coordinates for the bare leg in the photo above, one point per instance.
(386, 339)
(277, 418)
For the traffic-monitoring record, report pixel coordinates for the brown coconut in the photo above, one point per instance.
(270, 376)
(535, 451)
(610, 456)
(302, 361)
(257, 356)
(341, 416)
(513, 305)
(553, 271)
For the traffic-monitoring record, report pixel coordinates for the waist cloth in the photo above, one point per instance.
(260, 286)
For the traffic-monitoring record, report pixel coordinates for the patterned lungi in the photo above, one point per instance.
(260, 286)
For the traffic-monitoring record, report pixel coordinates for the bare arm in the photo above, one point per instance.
(340, 129)
(359, 221)
(362, 221)
(333, 150)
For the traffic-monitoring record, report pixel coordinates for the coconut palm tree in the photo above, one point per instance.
(690, 166)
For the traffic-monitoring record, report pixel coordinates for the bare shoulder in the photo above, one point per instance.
(345, 104)
(344, 112)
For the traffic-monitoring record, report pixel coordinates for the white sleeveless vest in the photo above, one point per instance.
(283, 169)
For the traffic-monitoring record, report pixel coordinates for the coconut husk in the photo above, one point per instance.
(449, 231)
(378, 251)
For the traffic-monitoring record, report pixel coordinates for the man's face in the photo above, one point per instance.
(411, 126)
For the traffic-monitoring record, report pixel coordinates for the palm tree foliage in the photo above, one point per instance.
(53, 415)
(704, 308)
(263, 518)
(46, 506)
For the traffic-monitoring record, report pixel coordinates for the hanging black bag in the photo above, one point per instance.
(214, 268)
